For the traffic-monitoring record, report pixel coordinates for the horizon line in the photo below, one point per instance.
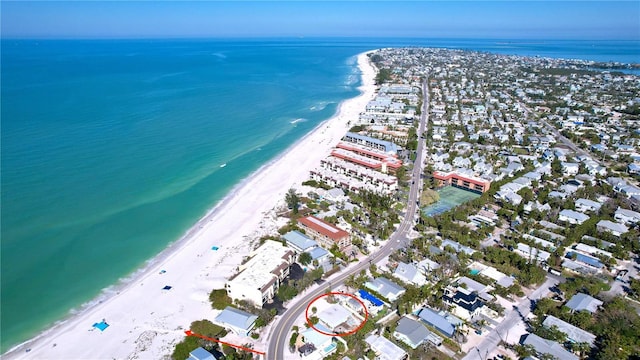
(314, 37)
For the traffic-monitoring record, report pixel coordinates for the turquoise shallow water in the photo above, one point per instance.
(111, 150)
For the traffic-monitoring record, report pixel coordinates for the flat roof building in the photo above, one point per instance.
(324, 233)
(385, 349)
(381, 145)
(465, 182)
(260, 277)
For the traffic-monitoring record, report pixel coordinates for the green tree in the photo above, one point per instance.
(556, 168)
(183, 348)
(383, 75)
(208, 329)
(219, 299)
(293, 200)
(305, 258)
(292, 341)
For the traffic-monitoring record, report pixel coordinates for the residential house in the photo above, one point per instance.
(611, 227)
(316, 344)
(509, 196)
(465, 303)
(531, 253)
(457, 247)
(591, 250)
(201, 354)
(385, 349)
(544, 346)
(386, 288)
(531, 206)
(336, 318)
(437, 321)
(585, 259)
(580, 302)
(411, 332)
(574, 334)
(238, 321)
(572, 217)
(409, 274)
(299, 242)
(584, 205)
(627, 216)
(569, 169)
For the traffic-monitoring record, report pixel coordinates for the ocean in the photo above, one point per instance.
(113, 149)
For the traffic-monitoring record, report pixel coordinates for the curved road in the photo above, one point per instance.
(279, 339)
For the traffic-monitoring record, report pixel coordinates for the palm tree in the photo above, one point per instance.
(305, 258)
(293, 200)
(582, 349)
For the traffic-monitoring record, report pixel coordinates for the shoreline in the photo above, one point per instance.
(192, 268)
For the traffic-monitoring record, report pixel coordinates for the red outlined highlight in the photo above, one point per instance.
(190, 333)
(366, 314)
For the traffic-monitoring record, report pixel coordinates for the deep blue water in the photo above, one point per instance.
(111, 150)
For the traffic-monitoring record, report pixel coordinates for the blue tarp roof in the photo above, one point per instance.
(586, 259)
(101, 325)
(372, 299)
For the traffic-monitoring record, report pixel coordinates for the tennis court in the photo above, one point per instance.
(450, 197)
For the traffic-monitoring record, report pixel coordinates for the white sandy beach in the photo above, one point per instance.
(145, 322)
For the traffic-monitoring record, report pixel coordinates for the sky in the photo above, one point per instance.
(592, 20)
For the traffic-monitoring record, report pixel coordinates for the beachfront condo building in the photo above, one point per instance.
(345, 175)
(260, 277)
(382, 145)
(324, 233)
(369, 154)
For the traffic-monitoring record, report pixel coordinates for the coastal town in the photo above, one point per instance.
(480, 206)
(464, 205)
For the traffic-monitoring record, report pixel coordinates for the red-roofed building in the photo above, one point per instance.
(368, 157)
(324, 233)
(466, 182)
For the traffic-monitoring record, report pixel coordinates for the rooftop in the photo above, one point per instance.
(574, 334)
(258, 270)
(323, 227)
(334, 315)
(413, 330)
(299, 240)
(582, 301)
(545, 346)
(236, 318)
(385, 349)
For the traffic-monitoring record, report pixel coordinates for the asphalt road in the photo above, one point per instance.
(279, 337)
(514, 316)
